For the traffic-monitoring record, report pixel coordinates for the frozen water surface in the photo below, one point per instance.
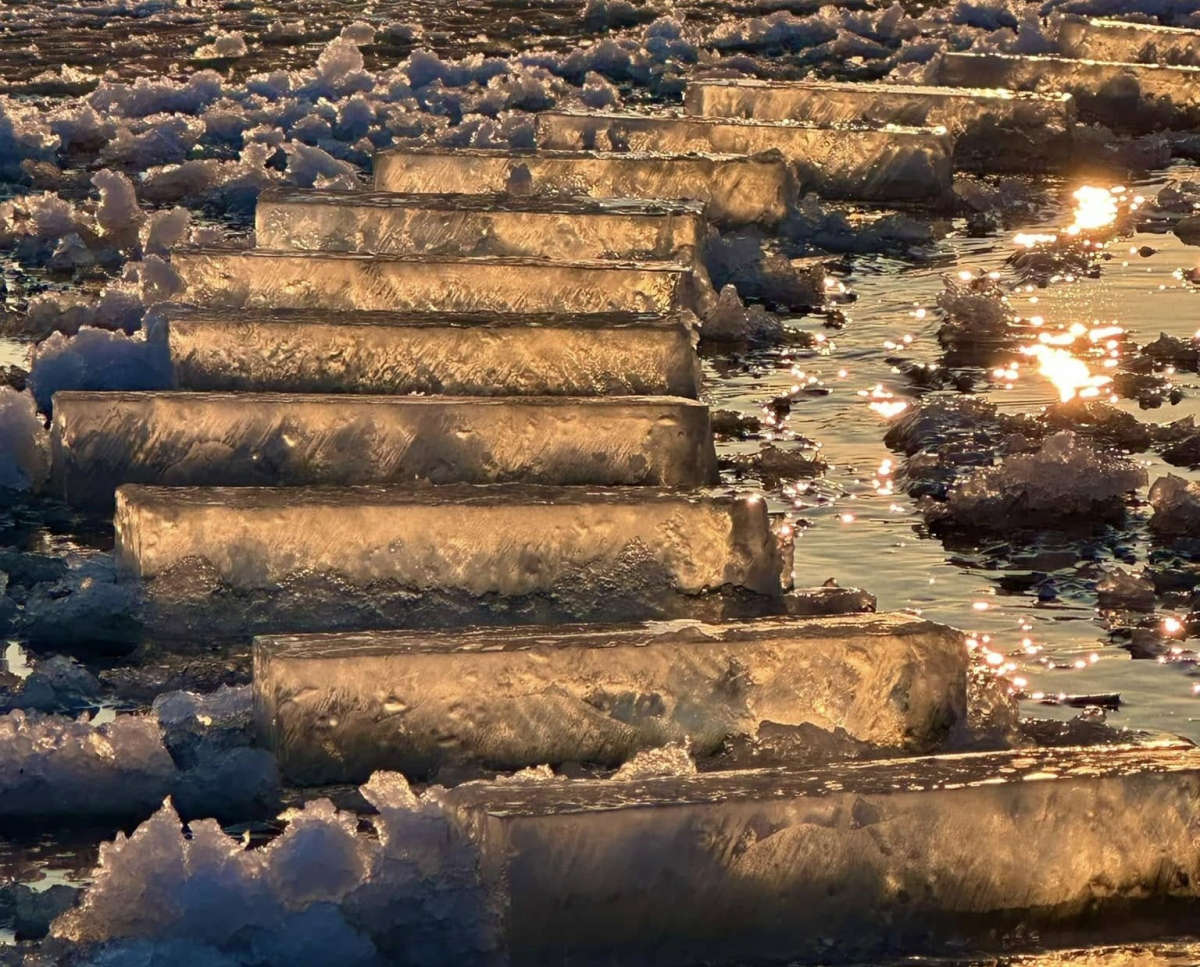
(305, 107)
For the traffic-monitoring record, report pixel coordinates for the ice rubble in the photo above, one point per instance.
(24, 443)
(411, 894)
(1176, 504)
(1064, 480)
(198, 749)
(97, 359)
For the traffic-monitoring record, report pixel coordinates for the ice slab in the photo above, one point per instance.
(994, 130)
(848, 864)
(335, 708)
(735, 190)
(1100, 38)
(1134, 97)
(241, 560)
(315, 351)
(480, 225)
(102, 440)
(844, 161)
(260, 279)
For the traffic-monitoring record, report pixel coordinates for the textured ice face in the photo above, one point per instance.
(844, 161)
(351, 281)
(993, 130)
(336, 707)
(103, 440)
(734, 190)
(314, 351)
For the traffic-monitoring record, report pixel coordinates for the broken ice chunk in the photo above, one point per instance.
(1176, 504)
(233, 560)
(102, 440)
(1099, 38)
(318, 351)
(571, 229)
(994, 130)
(1130, 97)
(852, 863)
(735, 190)
(844, 161)
(258, 279)
(1067, 479)
(337, 707)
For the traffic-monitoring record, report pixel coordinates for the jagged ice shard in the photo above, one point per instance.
(847, 864)
(316, 351)
(1099, 38)
(850, 161)
(259, 279)
(1125, 96)
(242, 560)
(993, 130)
(335, 708)
(102, 440)
(736, 190)
(525, 226)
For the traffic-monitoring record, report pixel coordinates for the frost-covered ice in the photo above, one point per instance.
(1098, 38)
(318, 891)
(480, 225)
(854, 863)
(229, 278)
(1066, 480)
(993, 130)
(102, 440)
(337, 707)
(97, 359)
(850, 161)
(24, 443)
(279, 560)
(51, 766)
(1137, 97)
(310, 351)
(735, 190)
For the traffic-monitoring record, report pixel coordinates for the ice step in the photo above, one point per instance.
(1134, 97)
(1100, 38)
(241, 560)
(847, 864)
(101, 440)
(735, 190)
(260, 279)
(337, 707)
(314, 351)
(995, 130)
(851, 161)
(480, 225)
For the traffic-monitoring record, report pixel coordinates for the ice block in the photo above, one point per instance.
(852, 863)
(524, 226)
(335, 708)
(317, 351)
(101, 440)
(846, 160)
(258, 279)
(994, 130)
(1100, 38)
(1131, 97)
(735, 190)
(233, 561)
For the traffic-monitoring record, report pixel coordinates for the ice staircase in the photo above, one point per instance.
(440, 446)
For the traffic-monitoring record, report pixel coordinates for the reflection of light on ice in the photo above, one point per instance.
(1070, 376)
(1033, 239)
